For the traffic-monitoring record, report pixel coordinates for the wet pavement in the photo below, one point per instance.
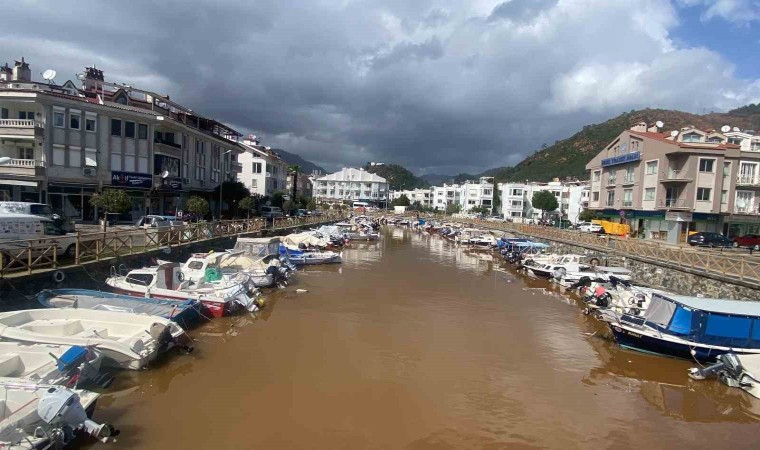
(414, 343)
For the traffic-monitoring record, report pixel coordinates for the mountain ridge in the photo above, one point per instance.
(307, 166)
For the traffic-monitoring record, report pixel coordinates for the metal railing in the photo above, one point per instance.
(30, 256)
(674, 203)
(748, 180)
(16, 162)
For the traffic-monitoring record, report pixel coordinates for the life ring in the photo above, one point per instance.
(59, 276)
(180, 276)
(594, 262)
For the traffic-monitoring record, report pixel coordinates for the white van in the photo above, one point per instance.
(16, 230)
(37, 209)
(269, 212)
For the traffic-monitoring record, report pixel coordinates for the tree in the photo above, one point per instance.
(288, 206)
(248, 204)
(294, 170)
(480, 210)
(111, 201)
(587, 215)
(232, 193)
(496, 204)
(312, 204)
(277, 199)
(197, 206)
(403, 200)
(545, 201)
(453, 208)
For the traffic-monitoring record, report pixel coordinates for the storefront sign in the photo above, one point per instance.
(622, 159)
(130, 179)
(171, 184)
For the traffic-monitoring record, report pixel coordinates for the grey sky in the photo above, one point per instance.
(439, 86)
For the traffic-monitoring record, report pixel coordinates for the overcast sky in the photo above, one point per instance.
(440, 86)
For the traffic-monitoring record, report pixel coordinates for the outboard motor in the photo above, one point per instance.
(62, 409)
(582, 282)
(728, 368)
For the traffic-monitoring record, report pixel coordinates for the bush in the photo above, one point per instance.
(197, 206)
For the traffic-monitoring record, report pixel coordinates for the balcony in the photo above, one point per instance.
(23, 168)
(629, 180)
(676, 176)
(611, 182)
(675, 204)
(167, 148)
(747, 180)
(627, 204)
(19, 128)
(236, 167)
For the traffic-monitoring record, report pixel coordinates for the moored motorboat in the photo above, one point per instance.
(742, 371)
(50, 364)
(127, 340)
(557, 267)
(42, 416)
(305, 258)
(689, 327)
(181, 311)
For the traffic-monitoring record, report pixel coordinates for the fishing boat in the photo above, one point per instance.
(51, 364)
(127, 340)
(168, 281)
(42, 416)
(621, 296)
(305, 258)
(742, 371)
(599, 274)
(689, 327)
(181, 311)
(260, 257)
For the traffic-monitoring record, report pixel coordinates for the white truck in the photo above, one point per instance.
(17, 231)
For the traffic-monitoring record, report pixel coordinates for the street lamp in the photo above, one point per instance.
(221, 185)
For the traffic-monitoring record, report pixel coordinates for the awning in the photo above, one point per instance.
(19, 183)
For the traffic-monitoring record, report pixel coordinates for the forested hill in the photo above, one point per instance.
(568, 157)
(399, 178)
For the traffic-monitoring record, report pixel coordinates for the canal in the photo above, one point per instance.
(414, 343)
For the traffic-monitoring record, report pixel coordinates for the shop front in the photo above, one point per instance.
(73, 200)
(168, 197)
(137, 186)
(20, 191)
(740, 225)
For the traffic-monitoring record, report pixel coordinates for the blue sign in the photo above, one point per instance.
(622, 159)
(130, 179)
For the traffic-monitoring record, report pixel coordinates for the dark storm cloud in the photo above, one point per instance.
(438, 85)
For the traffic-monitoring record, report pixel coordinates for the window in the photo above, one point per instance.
(611, 198)
(115, 127)
(59, 119)
(90, 124)
(59, 155)
(706, 165)
(595, 196)
(723, 197)
(75, 157)
(703, 194)
(129, 130)
(517, 192)
(256, 167)
(25, 153)
(652, 167)
(691, 137)
(4, 113)
(90, 157)
(116, 161)
(74, 119)
(726, 169)
(735, 141)
(629, 174)
(649, 194)
(26, 115)
(142, 164)
(628, 197)
(142, 131)
(255, 183)
(141, 279)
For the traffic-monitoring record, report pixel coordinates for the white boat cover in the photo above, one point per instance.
(308, 239)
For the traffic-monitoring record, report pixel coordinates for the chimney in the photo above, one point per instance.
(21, 71)
(6, 73)
(93, 79)
(653, 129)
(641, 126)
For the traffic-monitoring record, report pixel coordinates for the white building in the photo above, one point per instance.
(468, 195)
(263, 173)
(424, 196)
(352, 185)
(516, 199)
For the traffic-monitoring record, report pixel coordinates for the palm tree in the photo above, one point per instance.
(294, 170)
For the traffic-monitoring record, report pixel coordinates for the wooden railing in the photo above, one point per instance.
(29, 256)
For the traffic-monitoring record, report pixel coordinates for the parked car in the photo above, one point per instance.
(270, 212)
(153, 221)
(589, 227)
(709, 239)
(748, 240)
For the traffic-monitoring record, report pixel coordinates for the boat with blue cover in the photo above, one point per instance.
(309, 257)
(689, 327)
(184, 312)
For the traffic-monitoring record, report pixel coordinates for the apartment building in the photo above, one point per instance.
(59, 144)
(666, 184)
(352, 185)
(516, 200)
(263, 171)
(467, 195)
(424, 196)
(304, 186)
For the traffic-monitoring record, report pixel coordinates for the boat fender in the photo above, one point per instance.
(59, 276)
(594, 262)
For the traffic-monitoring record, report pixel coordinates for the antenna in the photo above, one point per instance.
(674, 133)
(49, 75)
(725, 128)
(659, 124)
(737, 129)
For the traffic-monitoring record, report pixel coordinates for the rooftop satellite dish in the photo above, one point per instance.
(80, 76)
(659, 124)
(674, 133)
(737, 129)
(164, 174)
(49, 75)
(725, 128)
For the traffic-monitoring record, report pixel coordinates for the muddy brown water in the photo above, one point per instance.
(414, 343)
